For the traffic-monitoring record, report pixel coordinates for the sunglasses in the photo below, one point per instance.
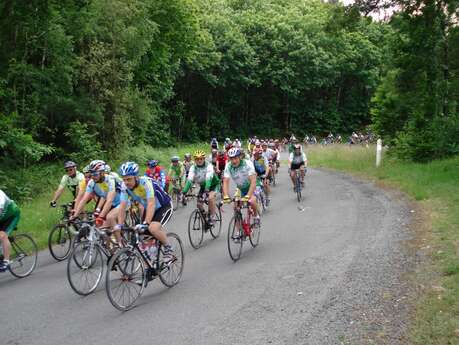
(69, 169)
(94, 174)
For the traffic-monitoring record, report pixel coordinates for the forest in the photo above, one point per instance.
(82, 78)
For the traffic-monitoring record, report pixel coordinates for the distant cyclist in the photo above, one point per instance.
(157, 173)
(9, 219)
(71, 180)
(297, 160)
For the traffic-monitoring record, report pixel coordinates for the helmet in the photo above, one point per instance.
(129, 169)
(69, 164)
(297, 146)
(214, 140)
(264, 143)
(257, 142)
(97, 166)
(187, 155)
(221, 153)
(214, 151)
(86, 169)
(108, 169)
(234, 152)
(199, 154)
(227, 139)
(175, 159)
(152, 163)
(272, 145)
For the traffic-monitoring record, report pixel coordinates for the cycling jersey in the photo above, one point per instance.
(203, 175)
(101, 189)
(187, 165)
(145, 189)
(71, 182)
(221, 163)
(240, 174)
(297, 160)
(269, 154)
(260, 165)
(9, 213)
(176, 171)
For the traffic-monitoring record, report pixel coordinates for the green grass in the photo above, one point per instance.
(435, 186)
(37, 218)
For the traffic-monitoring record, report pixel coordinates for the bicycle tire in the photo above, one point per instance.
(24, 254)
(196, 226)
(76, 267)
(171, 273)
(175, 199)
(235, 238)
(60, 242)
(255, 235)
(217, 228)
(127, 268)
(298, 189)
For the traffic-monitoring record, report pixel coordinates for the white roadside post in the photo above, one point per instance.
(378, 152)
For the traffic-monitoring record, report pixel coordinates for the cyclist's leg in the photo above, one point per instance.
(12, 216)
(292, 175)
(110, 222)
(302, 169)
(160, 218)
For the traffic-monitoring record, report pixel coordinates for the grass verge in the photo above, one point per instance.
(37, 218)
(435, 186)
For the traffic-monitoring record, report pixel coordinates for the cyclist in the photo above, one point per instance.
(221, 163)
(176, 172)
(70, 180)
(227, 141)
(156, 204)
(213, 157)
(237, 143)
(242, 172)
(214, 144)
(297, 160)
(107, 188)
(9, 219)
(83, 184)
(202, 173)
(187, 162)
(261, 165)
(157, 173)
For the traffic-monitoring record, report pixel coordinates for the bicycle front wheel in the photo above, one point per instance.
(255, 235)
(175, 199)
(298, 189)
(125, 278)
(235, 238)
(171, 272)
(217, 228)
(85, 267)
(196, 226)
(23, 256)
(60, 242)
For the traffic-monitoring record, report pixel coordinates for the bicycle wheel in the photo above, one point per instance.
(171, 272)
(217, 228)
(85, 267)
(23, 255)
(125, 278)
(196, 226)
(60, 242)
(235, 238)
(255, 235)
(298, 188)
(274, 178)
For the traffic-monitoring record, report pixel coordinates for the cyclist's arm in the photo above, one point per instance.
(305, 160)
(253, 185)
(290, 158)
(226, 177)
(81, 204)
(151, 202)
(122, 212)
(189, 180)
(209, 177)
(60, 189)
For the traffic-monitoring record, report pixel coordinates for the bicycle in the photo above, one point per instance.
(132, 267)
(199, 222)
(298, 185)
(60, 239)
(273, 169)
(23, 255)
(261, 199)
(241, 228)
(85, 265)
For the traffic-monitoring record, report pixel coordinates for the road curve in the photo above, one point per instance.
(327, 273)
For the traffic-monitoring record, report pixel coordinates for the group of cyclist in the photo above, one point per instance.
(113, 193)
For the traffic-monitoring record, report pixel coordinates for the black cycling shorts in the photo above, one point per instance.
(294, 166)
(163, 214)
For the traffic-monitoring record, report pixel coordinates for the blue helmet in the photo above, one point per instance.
(129, 169)
(152, 163)
(234, 152)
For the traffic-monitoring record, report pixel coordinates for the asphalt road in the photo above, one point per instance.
(325, 273)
